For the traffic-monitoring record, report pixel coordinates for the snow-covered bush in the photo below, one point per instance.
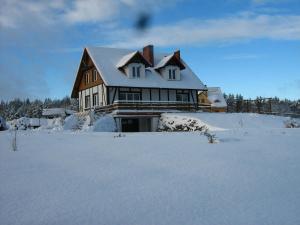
(292, 124)
(179, 124)
(105, 124)
(71, 123)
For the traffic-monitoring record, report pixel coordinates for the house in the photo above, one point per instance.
(56, 112)
(135, 86)
(212, 100)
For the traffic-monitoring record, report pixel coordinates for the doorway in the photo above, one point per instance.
(130, 125)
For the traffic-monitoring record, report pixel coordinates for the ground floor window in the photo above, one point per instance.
(130, 96)
(182, 97)
(87, 101)
(95, 99)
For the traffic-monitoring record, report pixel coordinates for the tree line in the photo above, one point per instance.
(18, 108)
(237, 103)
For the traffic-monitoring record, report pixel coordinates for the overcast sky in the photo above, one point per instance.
(251, 47)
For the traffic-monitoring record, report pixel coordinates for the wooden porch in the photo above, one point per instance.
(148, 106)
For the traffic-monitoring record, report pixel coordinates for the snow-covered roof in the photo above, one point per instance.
(125, 59)
(107, 61)
(57, 111)
(163, 61)
(215, 96)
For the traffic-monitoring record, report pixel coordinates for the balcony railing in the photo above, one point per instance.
(148, 105)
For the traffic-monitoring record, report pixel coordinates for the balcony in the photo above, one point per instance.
(151, 106)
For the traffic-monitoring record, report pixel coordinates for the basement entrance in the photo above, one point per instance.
(142, 124)
(130, 125)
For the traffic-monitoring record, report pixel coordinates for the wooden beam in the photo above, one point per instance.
(150, 94)
(107, 95)
(114, 95)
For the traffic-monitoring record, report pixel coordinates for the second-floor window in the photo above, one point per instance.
(86, 78)
(130, 96)
(182, 97)
(95, 99)
(94, 77)
(136, 71)
(87, 101)
(172, 74)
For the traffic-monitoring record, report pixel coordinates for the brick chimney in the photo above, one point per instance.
(177, 54)
(148, 54)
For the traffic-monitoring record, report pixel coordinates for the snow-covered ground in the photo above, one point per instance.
(62, 177)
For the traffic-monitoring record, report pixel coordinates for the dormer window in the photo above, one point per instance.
(136, 71)
(172, 74)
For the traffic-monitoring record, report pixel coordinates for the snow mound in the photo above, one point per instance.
(223, 121)
(71, 123)
(105, 124)
(183, 122)
(90, 122)
(25, 123)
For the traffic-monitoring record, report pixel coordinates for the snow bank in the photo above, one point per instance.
(105, 124)
(79, 178)
(222, 121)
(183, 122)
(25, 123)
(71, 123)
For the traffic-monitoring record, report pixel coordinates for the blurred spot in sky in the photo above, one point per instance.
(142, 22)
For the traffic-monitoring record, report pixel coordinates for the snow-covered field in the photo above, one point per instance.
(62, 177)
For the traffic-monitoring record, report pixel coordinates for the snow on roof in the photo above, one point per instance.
(215, 96)
(124, 60)
(107, 60)
(163, 61)
(57, 111)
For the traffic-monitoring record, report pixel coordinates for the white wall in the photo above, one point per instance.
(128, 70)
(100, 89)
(165, 72)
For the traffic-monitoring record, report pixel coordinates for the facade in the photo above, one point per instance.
(212, 100)
(135, 86)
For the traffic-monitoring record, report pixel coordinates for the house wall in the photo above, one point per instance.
(145, 93)
(128, 70)
(165, 72)
(99, 89)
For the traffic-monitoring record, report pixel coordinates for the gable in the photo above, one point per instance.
(86, 66)
(134, 57)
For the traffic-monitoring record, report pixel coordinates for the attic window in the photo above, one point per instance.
(172, 74)
(217, 100)
(94, 77)
(136, 71)
(86, 78)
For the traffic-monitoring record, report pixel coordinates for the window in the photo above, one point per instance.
(182, 97)
(87, 101)
(130, 96)
(94, 78)
(95, 99)
(136, 71)
(172, 74)
(133, 72)
(86, 78)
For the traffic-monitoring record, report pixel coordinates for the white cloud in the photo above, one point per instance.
(92, 11)
(224, 30)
